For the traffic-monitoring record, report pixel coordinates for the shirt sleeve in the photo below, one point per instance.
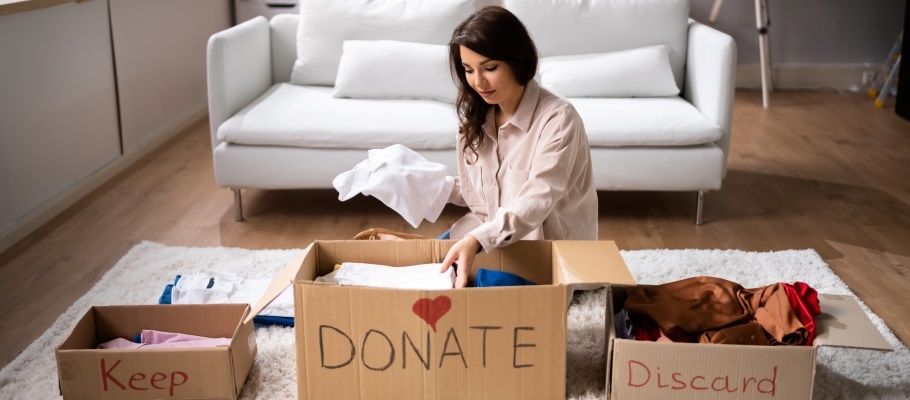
(547, 182)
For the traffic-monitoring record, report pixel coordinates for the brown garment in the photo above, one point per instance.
(714, 310)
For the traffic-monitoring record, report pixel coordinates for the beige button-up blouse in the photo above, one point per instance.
(531, 178)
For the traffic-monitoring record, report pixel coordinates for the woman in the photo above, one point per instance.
(524, 166)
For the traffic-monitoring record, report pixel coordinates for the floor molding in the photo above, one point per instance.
(840, 77)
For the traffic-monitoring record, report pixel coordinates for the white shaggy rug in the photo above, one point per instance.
(141, 275)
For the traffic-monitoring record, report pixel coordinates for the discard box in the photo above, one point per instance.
(652, 370)
(473, 343)
(86, 372)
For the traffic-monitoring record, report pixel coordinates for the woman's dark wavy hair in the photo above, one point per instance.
(496, 33)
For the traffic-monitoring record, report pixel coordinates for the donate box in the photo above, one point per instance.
(86, 372)
(653, 370)
(471, 343)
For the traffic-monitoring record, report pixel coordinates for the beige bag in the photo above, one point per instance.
(385, 234)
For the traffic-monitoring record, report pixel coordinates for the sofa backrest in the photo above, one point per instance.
(558, 27)
(284, 45)
(561, 27)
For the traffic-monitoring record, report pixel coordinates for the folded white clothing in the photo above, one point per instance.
(216, 287)
(422, 276)
(402, 179)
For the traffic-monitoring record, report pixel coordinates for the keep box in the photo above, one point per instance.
(86, 372)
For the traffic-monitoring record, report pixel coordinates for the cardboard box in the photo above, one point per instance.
(651, 370)
(86, 372)
(473, 343)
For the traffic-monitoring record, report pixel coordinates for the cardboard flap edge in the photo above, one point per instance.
(281, 281)
(589, 261)
(843, 323)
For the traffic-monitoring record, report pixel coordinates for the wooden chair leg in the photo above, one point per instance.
(715, 9)
(762, 21)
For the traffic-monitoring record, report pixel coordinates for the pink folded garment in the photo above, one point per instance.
(150, 336)
(119, 343)
(215, 342)
(152, 339)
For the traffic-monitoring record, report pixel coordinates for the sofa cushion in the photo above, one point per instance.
(562, 27)
(641, 72)
(390, 69)
(308, 116)
(662, 121)
(325, 24)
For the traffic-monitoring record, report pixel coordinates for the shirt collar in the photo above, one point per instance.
(524, 115)
(525, 112)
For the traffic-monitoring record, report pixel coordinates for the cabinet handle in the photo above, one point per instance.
(280, 5)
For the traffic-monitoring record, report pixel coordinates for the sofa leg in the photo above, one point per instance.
(698, 208)
(238, 205)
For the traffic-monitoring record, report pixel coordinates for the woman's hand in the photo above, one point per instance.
(462, 255)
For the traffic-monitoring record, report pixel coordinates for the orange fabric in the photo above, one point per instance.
(714, 310)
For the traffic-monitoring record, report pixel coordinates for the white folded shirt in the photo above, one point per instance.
(192, 288)
(422, 276)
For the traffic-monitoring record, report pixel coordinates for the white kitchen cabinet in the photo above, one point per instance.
(58, 110)
(86, 88)
(159, 50)
(248, 9)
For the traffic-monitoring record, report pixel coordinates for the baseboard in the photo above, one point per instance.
(176, 125)
(845, 77)
(58, 204)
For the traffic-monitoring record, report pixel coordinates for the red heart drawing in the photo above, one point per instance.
(432, 310)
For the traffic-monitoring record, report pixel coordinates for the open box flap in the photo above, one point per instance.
(589, 262)
(281, 281)
(843, 323)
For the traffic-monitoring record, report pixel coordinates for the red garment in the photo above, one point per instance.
(645, 329)
(804, 301)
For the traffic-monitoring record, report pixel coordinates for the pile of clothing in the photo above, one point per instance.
(422, 276)
(216, 287)
(714, 310)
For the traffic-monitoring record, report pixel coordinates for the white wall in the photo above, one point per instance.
(811, 31)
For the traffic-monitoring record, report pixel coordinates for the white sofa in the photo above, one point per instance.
(269, 133)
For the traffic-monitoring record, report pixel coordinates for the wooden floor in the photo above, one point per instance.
(825, 171)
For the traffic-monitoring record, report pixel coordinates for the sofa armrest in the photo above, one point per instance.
(711, 77)
(239, 69)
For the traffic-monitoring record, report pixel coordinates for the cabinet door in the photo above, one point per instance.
(247, 9)
(159, 50)
(58, 111)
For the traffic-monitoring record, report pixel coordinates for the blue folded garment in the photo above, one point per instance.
(259, 320)
(489, 277)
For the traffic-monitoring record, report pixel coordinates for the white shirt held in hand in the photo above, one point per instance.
(402, 179)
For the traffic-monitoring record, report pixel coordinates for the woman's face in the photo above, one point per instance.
(494, 80)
